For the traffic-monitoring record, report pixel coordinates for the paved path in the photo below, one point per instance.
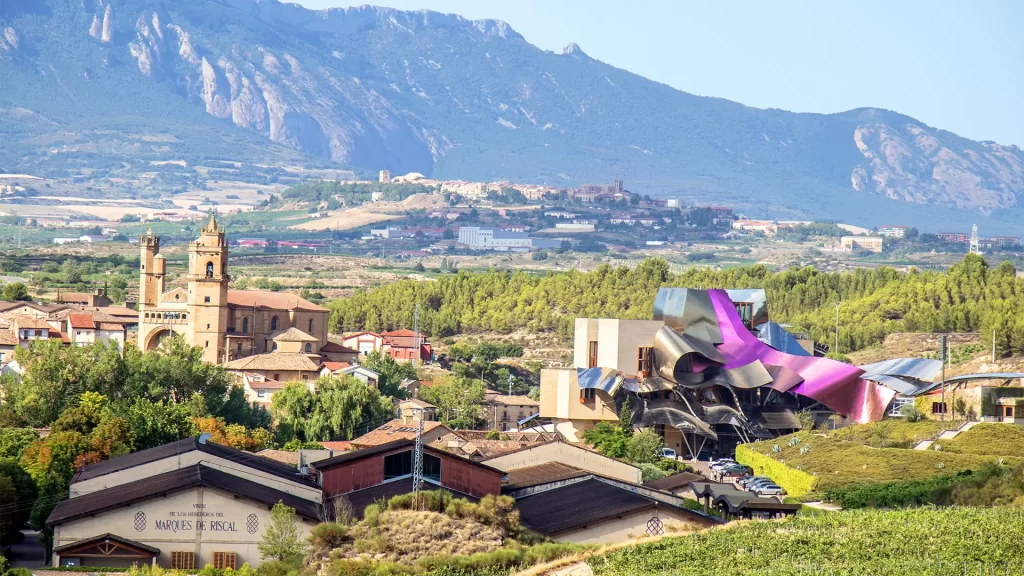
(946, 435)
(823, 506)
(28, 553)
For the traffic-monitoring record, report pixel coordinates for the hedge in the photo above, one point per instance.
(795, 482)
(900, 494)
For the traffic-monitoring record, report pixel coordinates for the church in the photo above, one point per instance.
(228, 325)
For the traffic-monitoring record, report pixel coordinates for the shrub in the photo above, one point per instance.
(795, 482)
(650, 472)
(326, 537)
(893, 494)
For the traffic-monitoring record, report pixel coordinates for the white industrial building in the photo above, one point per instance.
(492, 239)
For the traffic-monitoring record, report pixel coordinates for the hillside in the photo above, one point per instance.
(90, 85)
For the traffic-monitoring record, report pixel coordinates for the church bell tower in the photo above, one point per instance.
(208, 291)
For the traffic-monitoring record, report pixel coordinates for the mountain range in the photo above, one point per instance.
(101, 84)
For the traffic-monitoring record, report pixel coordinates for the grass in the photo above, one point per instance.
(881, 543)
(839, 462)
(988, 440)
(892, 432)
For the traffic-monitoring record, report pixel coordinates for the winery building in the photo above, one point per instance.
(181, 505)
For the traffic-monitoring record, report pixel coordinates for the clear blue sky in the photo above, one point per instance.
(953, 64)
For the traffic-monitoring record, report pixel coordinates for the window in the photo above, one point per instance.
(397, 465)
(273, 323)
(1008, 412)
(223, 560)
(207, 343)
(183, 560)
(643, 360)
(309, 347)
(587, 394)
(431, 467)
(310, 325)
(277, 377)
(245, 325)
(592, 354)
(261, 393)
(207, 326)
(239, 347)
(209, 269)
(206, 299)
(305, 377)
(273, 347)
(938, 407)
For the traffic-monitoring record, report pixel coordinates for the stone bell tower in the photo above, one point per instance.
(208, 292)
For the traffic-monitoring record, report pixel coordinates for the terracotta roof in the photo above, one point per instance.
(293, 334)
(81, 320)
(111, 326)
(285, 361)
(260, 383)
(334, 366)
(541, 474)
(354, 334)
(335, 348)
(337, 445)
(514, 400)
(394, 430)
(393, 446)
(271, 300)
(401, 332)
(30, 322)
(122, 313)
(8, 338)
(282, 456)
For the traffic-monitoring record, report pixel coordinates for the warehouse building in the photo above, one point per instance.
(182, 505)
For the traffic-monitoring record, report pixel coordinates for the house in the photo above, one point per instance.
(363, 342)
(97, 298)
(406, 346)
(893, 231)
(87, 328)
(277, 366)
(955, 237)
(338, 352)
(93, 238)
(575, 455)
(678, 484)
(399, 429)
(503, 412)
(363, 373)
(384, 470)
(476, 445)
(183, 505)
(416, 408)
(258, 388)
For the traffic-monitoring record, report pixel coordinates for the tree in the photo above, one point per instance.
(391, 373)
(448, 234)
(118, 288)
(626, 417)
(281, 540)
(15, 291)
(17, 497)
(156, 423)
(609, 440)
(291, 407)
(13, 441)
(458, 401)
(644, 447)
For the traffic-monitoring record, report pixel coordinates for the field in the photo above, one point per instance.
(933, 542)
(879, 452)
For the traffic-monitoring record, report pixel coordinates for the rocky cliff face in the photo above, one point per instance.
(420, 91)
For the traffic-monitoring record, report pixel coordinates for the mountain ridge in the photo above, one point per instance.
(379, 88)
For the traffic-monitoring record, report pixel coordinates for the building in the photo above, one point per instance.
(955, 237)
(377, 473)
(85, 329)
(97, 298)
(406, 346)
(503, 412)
(403, 428)
(369, 377)
(575, 226)
(226, 324)
(893, 231)
(767, 227)
(416, 408)
(575, 455)
(259, 389)
(363, 342)
(999, 242)
(478, 238)
(868, 243)
(182, 505)
(385, 177)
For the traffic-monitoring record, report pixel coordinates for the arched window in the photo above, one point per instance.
(309, 347)
(273, 323)
(245, 325)
(209, 269)
(310, 325)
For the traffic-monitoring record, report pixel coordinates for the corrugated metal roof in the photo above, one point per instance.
(919, 368)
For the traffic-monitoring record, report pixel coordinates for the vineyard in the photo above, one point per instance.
(918, 542)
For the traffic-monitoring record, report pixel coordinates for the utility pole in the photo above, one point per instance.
(942, 344)
(417, 462)
(509, 384)
(993, 346)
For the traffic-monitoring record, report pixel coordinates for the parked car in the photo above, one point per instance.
(753, 486)
(770, 490)
(734, 471)
(747, 481)
(668, 453)
(717, 465)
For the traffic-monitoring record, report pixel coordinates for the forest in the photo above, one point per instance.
(970, 297)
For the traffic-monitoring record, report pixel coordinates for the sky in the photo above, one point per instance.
(953, 64)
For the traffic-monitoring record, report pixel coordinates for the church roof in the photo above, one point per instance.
(270, 300)
(284, 361)
(293, 334)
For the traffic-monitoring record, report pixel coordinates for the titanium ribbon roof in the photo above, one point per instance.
(777, 337)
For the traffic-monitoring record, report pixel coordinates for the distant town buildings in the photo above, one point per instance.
(955, 237)
(385, 177)
(893, 231)
(766, 227)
